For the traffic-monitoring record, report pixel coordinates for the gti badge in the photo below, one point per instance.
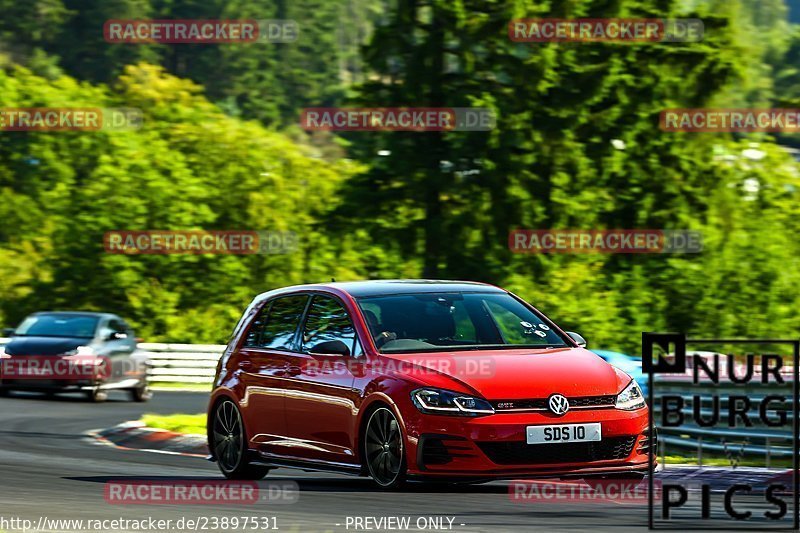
(558, 404)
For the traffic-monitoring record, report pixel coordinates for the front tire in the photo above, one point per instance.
(384, 450)
(229, 444)
(141, 394)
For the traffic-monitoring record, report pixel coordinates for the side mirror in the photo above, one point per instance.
(330, 348)
(116, 336)
(577, 338)
(7, 332)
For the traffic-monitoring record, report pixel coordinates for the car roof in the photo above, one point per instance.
(406, 286)
(76, 313)
(386, 287)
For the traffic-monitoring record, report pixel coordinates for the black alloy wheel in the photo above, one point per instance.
(383, 447)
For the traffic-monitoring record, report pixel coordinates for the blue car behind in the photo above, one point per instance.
(627, 363)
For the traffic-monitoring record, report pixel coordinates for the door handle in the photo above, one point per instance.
(293, 370)
(244, 365)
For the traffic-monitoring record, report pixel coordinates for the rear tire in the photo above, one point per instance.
(5, 393)
(383, 449)
(228, 443)
(97, 395)
(141, 394)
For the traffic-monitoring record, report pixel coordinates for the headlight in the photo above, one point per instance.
(631, 398)
(442, 402)
(80, 350)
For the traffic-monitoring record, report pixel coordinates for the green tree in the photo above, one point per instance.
(189, 167)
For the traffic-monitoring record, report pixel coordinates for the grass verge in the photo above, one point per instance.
(168, 386)
(178, 423)
(724, 461)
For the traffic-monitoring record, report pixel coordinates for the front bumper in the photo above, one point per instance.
(60, 385)
(495, 446)
(55, 385)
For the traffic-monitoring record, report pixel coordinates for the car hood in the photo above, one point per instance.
(515, 374)
(43, 345)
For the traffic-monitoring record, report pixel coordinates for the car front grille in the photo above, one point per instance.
(541, 403)
(521, 453)
(437, 450)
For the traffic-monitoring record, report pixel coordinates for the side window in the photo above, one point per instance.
(281, 325)
(358, 351)
(113, 327)
(328, 321)
(257, 327)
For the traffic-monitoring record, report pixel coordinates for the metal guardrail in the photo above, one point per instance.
(182, 363)
(758, 440)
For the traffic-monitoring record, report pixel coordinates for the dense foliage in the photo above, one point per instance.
(577, 145)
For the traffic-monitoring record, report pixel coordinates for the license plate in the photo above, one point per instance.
(564, 433)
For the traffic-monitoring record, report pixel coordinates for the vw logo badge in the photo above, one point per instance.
(558, 404)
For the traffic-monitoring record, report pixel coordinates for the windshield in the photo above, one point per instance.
(455, 321)
(78, 326)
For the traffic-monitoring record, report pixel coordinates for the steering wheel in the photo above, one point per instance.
(383, 337)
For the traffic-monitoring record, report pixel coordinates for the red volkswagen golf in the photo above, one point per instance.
(415, 379)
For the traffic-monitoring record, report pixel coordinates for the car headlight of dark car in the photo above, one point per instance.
(443, 402)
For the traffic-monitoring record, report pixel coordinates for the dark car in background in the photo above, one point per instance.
(73, 351)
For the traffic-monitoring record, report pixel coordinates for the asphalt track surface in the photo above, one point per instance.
(50, 470)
